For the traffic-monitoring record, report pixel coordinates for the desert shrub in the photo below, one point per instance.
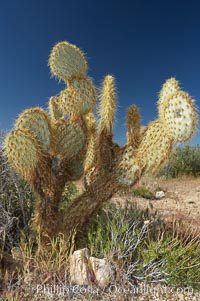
(143, 192)
(142, 248)
(183, 161)
(16, 204)
(180, 261)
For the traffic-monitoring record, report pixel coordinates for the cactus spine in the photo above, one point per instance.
(49, 151)
(133, 126)
(54, 109)
(107, 108)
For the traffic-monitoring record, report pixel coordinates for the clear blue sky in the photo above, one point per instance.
(142, 43)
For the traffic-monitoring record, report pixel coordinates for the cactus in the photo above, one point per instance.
(38, 123)
(79, 98)
(54, 109)
(133, 126)
(107, 109)
(67, 61)
(69, 138)
(23, 151)
(49, 151)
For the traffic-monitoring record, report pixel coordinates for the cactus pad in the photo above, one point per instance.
(79, 98)
(133, 126)
(37, 122)
(90, 158)
(54, 109)
(23, 152)
(155, 146)
(128, 169)
(70, 138)
(170, 87)
(67, 61)
(180, 116)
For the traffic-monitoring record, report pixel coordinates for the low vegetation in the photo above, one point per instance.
(140, 246)
(183, 161)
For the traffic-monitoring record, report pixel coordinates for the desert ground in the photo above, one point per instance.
(181, 203)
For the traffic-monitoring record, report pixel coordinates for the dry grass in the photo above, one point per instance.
(180, 208)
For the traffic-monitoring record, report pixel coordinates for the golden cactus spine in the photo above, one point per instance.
(107, 112)
(23, 152)
(91, 148)
(67, 61)
(178, 122)
(38, 123)
(107, 108)
(133, 126)
(169, 87)
(70, 138)
(79, 98)
(54, 109)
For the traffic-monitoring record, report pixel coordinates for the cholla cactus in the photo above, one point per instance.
(48, 150)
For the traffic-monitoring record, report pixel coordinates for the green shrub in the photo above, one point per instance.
(16, 205)
(141, 248)
(143, 192)
(180, 262)
(68, 195)
(183, 161)
(108, 230)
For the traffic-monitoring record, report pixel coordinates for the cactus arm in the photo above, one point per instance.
(133, 126)
(177, 123)
(54, 109)
(82, 208)
(107, 108)
(91, 152)
(107, 111)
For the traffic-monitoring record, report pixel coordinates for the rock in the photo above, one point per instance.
(17, 254)
(103, 271)
(160, 194)
(85, 270)
(79, 270)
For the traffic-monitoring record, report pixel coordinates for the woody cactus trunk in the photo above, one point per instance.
(49, 149)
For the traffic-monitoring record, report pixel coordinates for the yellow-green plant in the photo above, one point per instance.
(49, 150)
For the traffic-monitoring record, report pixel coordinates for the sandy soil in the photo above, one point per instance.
(181, 201)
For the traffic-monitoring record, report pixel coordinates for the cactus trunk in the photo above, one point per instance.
(83, 207)
(46, 220)
(49, 191)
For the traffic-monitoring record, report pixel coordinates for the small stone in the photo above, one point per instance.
(79, 272)
(160, 194)
(102, 270)
(17, 254)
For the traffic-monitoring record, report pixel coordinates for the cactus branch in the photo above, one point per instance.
(133, 126)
